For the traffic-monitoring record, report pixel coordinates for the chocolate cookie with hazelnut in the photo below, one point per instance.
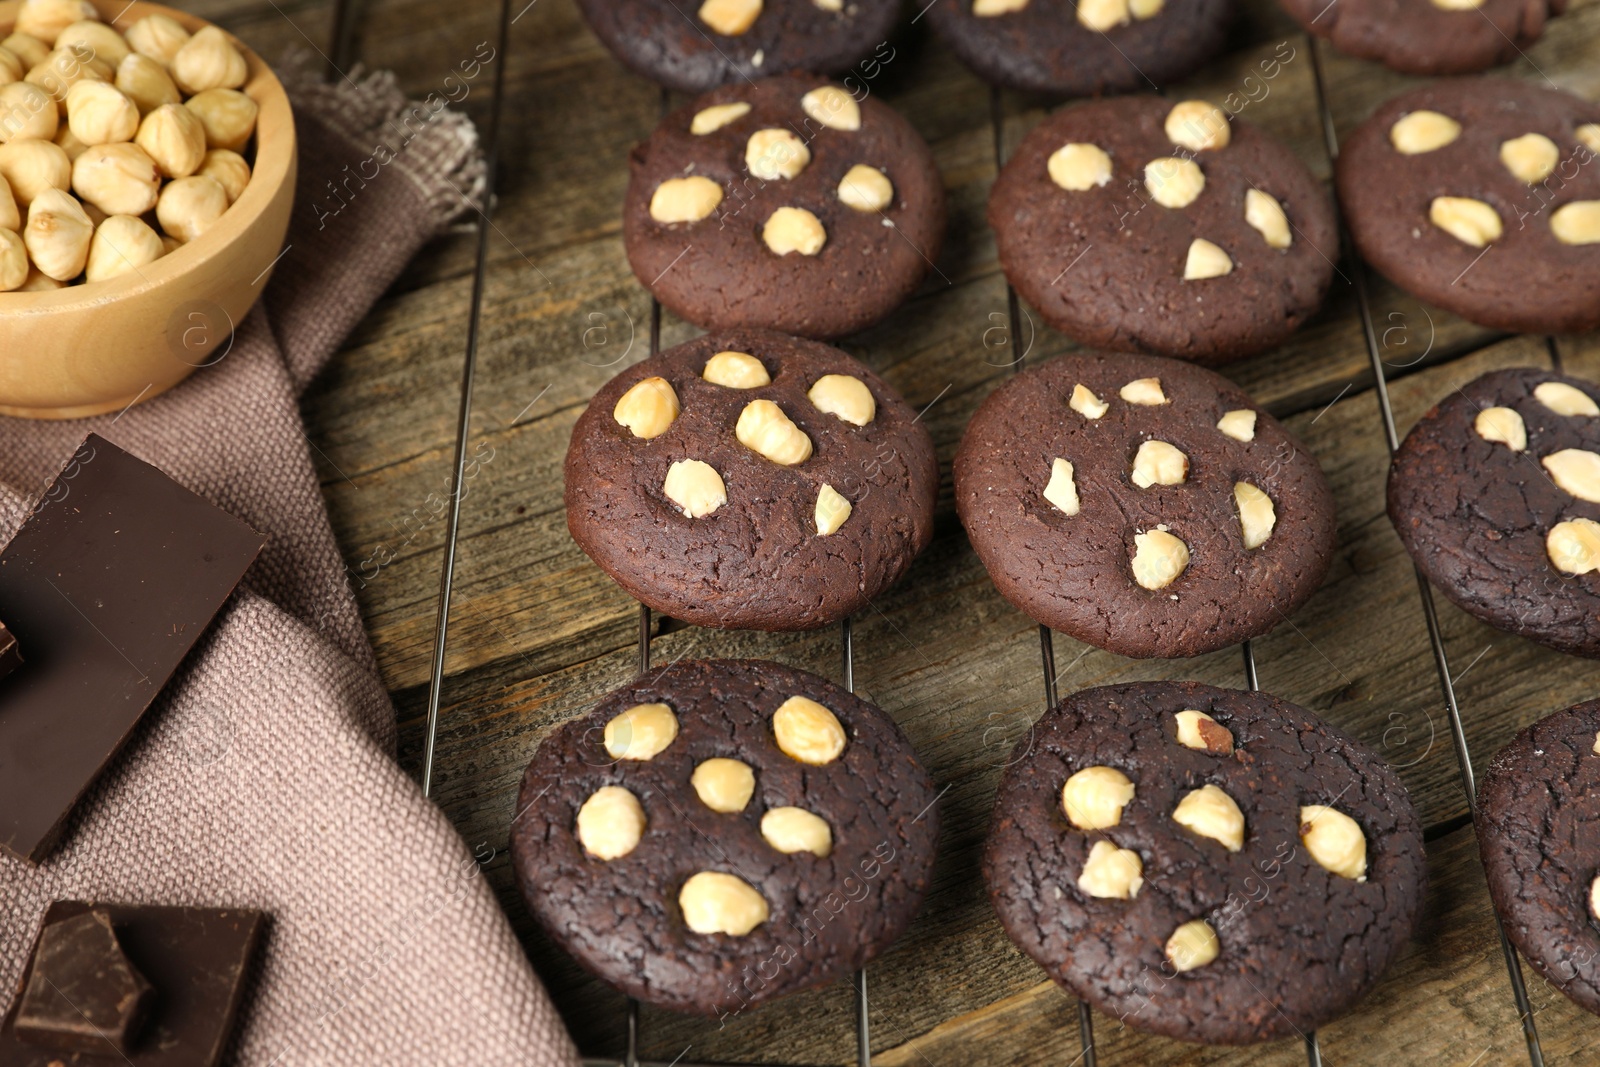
(752, 481)
(1495, 493)
(719, 833)
(1144, 505)
(1207, 864)
(1428, 36)
(788, 203)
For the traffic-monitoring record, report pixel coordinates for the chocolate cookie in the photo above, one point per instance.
(1481, 196)
(1539, 834)
(1428, 36)
(722, 832)
(1496, 495)
(1143, 505)
(693, 46)
(1208, 864)
(751, 480)
(787, 204)
(1143, 226)
(1082, 48)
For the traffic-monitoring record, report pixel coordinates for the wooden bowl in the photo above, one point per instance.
(86, 349)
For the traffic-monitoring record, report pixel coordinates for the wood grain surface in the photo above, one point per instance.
(538, 633)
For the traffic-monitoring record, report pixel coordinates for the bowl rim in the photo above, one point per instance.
(274, 164)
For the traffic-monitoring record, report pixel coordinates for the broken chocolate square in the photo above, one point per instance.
(83, 993)
(10, 651)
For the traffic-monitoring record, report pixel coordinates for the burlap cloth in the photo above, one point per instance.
(264, 775)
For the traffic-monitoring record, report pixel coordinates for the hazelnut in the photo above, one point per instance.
(229, 169)
(30, 167)
(775, 153)
(1588, 134)
(1334, 840)
(1469, 221)
(695, 487)
(794, 229)
(229, 117)
(610, 823)
(208, 60)
(991, 8)
(845, 396)
(1577, 223)
(833, 107)
(713, 118)
(1085, 403)
(1173, 182)
(642, 732)
(831, 511)
(69, 143)
(1530, 158)
(685, 199)
(723, 785)
(39, 283)
(157, 37)
(1111, 873)
(1198, 126)
(11, 67)
(45, 19)
(66, 67)
(1265, 216)
(98, 113)
(797, 830)
(13, 261)
(190, 206)
(1145, 392)
(717, 903)
(1078, 167)
(736, 370)
(145, 82)
(1423, 131)
(91, 37)
(730, 17)
(33, 51)
(1062, 491)
(1159, 463)
(1094, 797)
(764, 428)
(58, 235)
(1502, 425)
(1239, 425)
(1158, 559)
(865, 188)
(119, 179)
(1210, 812)
(175, 138)
(1103, 15)
(807, 731)
(1145, 9)
(1198, 730)
(1194, 944)
(1257, 516)
(829, 5)
(121, 244)
(1577, 471)
(10, 215)
(1205, 260)
(1564, 399)
(647, 409)
(27, 113)
(1574, 546)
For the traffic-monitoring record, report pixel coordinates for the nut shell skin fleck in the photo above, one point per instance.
(1318, 941)
(621, 920)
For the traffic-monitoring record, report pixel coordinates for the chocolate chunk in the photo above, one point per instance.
(83, 993)
(108, 585)
(198, 962)
(10, 651)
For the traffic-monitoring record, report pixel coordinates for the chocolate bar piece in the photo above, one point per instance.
(10, 651)
(83, 993)
(197, 960)
(108, 585)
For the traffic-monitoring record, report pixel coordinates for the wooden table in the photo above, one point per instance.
(537, 633)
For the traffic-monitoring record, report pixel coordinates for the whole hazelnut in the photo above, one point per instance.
(13, 261)
(32, 167)
(45, 19)
(229, 169)
(174, 137)
(58, 235)
(146, 83)
(119, 179)
(11, 66)
(98, 113)
(121, 244)
(157, 37)
(27, 112)
(10, 217)
(27, 48)
(229, 117)
(96, 38)
(190, 206)
(208, 60)
(66, 67)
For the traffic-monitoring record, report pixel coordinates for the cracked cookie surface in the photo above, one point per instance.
(1296, 943)
(1424, 37)
(1106, 263)
(826, 915)
(759, 560)
(1080, 573)
(1476, 515)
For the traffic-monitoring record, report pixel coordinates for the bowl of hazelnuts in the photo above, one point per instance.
(147, 166)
